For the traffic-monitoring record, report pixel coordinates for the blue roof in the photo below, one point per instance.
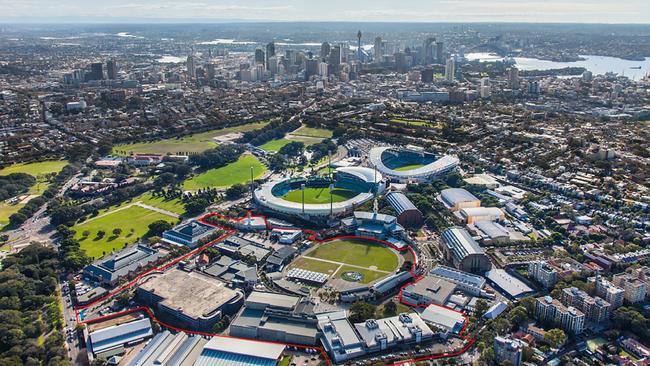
(221, 358)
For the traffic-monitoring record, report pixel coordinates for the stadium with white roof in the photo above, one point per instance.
(365, 182)
(390, 161)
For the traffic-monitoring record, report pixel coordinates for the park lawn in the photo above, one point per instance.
(35, 169)
(275, 145)
(414, 122)
(400, 308)
(408, 167)
(313, 132)
(233, 173)
(319, 195)
(368, 275)
(176, 205)
(357, 253)
(286, 360)
(315, 265)
(136, 218)
(7, 210)
(195, 143)
(5, 248)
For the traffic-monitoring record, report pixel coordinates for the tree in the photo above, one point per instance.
(101, 234)
(236, 191)
(117, 231)
(555, 337)
(518, 315)
(390, 309)
(481, 307)
(361, 311)
(488, 355)
(156, 228)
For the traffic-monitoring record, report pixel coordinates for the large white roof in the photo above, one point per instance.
(441, 165)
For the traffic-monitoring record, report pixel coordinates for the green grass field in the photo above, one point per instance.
(314, 265)
(357, 253)
(408, 167)
(136, 218)
(368, 275)
(275, 145)
(35, 169)
(320, 195)
(175, 205)
(437, 125)
(237, 172)
(313, 132)
(197, 142)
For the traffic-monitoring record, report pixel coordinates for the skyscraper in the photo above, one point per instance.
(191, 67)
(96, 71)
(427, 51)
(379, 50)
(427, 75)
(270, 52)
(450, 69)
(311, 68)
(334, 59)
(440, 52)
(259, 56)
(324, 51)
(513, 78)
(111, 69)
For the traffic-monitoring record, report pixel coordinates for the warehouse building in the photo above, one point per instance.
(466, 282)
(170, 350)
(471, 215)
(239, 352)
(407, 214)
(444, 319)
(463, 251)
(115, 337)
(456, 199)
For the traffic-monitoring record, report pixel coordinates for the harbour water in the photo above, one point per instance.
(596, 64)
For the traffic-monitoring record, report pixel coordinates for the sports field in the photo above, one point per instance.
(197, 142)
(437, 125)
(276, 145)
(237, 172)
(360, 253)
(368, 275)
(319, 195)
(134, 217)
(35, 169)
(408, 167)
(312, 132)
(315, 265)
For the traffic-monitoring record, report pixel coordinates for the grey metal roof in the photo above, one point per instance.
(400, 202)
(460, 242)
(456, 195)
(117, 335)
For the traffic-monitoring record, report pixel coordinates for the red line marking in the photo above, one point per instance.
(312, 237)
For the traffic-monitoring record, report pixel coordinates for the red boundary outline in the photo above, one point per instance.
(312, 237)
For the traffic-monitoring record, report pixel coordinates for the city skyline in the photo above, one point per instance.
(538, 11)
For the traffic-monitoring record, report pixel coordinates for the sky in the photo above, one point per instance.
(562, 11)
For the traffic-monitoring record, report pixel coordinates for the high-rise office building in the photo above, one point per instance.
(210, 70)
(96, 72)
(379, 50)
(191, 67)
(440, 52)
(111, 69)
(427, 75)
(428, 51)
(325, 51)
(270, 52)
(513, 78)
(485, 89)
(334, 59)
(259, 56)
(311, 68)
(450, 69)
(401, 63)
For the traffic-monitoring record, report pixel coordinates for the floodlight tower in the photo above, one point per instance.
(302, 190)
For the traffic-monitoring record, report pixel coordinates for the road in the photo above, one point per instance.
(38, 227)
(72, 340)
